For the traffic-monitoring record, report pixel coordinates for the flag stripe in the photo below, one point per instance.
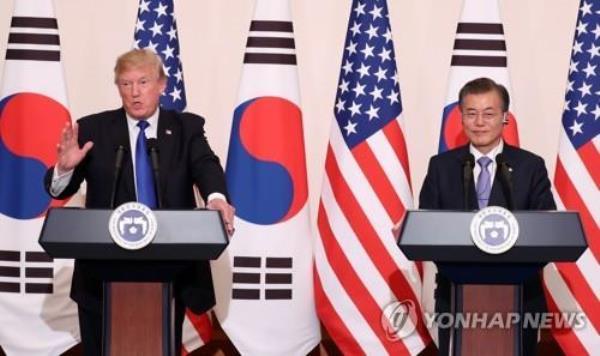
(11, 256)
(378, 180)
(270, 42)
(384, 152)
(579, 176)
(34, 256)
(279, 262)
(477, 44)
(239, 277)
(39, 288)
(270, 58)
(354, 287)
(478, 61)
(572, 200)
(565, 337)
(10, 271)
(344, 306)
(276, 26)
(473, 27)
(394, 134)
(10, 287)
(33, 55)
(368, 237)
(363, 192)
(201, 323)
(278, 294)
(355, 252)
(590, 158)
(38, 22)
(333, 323)
(37, 272)
(582, 292)
(250, 262)
(33, 38)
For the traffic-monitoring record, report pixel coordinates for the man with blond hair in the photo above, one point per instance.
(87, 151)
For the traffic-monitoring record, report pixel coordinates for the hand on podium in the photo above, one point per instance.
(227, 212)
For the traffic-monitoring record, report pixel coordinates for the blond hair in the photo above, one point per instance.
(137, 58)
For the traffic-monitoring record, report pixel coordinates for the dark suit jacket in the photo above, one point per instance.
(443, 185)
(443, 189)
(185, 158)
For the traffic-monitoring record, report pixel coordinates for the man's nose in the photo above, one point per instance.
(135, 89)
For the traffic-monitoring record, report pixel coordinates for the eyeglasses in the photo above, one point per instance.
(486, 115)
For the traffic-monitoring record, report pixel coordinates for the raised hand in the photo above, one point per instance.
(69, 153)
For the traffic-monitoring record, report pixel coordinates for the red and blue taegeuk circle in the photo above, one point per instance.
(266, 166)
(30, 126)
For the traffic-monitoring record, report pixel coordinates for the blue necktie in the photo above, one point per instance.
(146, 193)
(484, 183)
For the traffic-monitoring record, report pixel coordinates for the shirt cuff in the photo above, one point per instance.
(215, 195)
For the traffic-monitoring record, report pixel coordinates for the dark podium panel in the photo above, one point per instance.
(487, 283)
(184, 235)
(138, 298)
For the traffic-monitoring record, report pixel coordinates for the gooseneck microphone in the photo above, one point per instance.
(117, 174)
(506, 180)
(468, 163)
(152, 145)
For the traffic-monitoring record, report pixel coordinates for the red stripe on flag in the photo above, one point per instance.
(395, 136)
(565, 337)
(370, 241)
(591, 159)
(202, 324)
(581, 290)
(333, 323)
(572, 201)
(378, 180)
(352, 284)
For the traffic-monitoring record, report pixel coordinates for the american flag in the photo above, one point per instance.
(360, 272)
(156, 29)
(575, 287)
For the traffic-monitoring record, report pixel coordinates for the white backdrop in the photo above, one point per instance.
(539, 35)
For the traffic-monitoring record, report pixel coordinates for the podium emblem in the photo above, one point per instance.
(132, 226)
(494, 230)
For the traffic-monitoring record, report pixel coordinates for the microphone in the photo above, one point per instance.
(468, 163)
(152, 145)
(506, 180)
(117, 174)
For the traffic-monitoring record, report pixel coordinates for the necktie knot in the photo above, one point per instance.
(143, 125)
(484, 162)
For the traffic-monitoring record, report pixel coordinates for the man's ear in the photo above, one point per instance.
(505, 118)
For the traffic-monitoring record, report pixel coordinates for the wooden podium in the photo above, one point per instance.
(138, 315)
(489, 283)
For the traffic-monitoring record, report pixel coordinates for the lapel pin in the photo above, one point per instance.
(168, 132)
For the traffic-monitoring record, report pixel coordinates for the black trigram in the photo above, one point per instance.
(33, 38)
(250, 278)
(479, 45)
(271, 42)
(34, 272)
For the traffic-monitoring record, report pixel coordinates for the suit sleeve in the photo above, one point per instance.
(540, 197)
(429, 197)
(204, 164)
